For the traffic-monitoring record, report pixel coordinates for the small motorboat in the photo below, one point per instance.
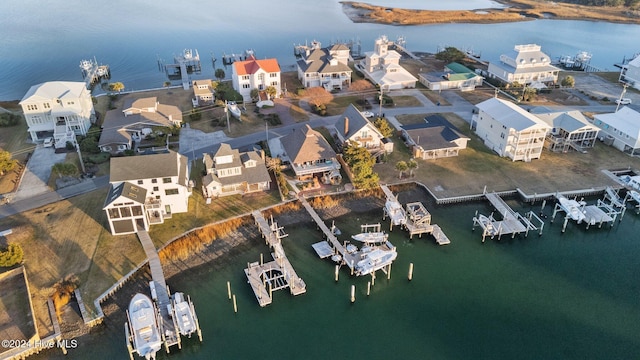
(234, 109)
(371, 237)
(143, 330)
(184, 315)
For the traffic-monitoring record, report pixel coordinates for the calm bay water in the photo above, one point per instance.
(559, 296)
(45, 40)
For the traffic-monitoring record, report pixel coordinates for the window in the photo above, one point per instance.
(155, 188)
(32, 107)
(126, 212)
(274, 83)
(171, 191)
(246, 86)
(245, 77)
(136, 210)
(157, 197)
(154, 181)
(261, 77)
(273, 75)
(114, 213)
(140, 182)
(166, 180)
(70, 102)
(46, 106)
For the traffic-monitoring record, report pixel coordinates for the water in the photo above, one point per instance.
(560, 296)
(130, 36)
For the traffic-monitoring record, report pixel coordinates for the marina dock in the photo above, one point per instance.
(512, 223)
(580, 212)
(92, 73)
(265, 278)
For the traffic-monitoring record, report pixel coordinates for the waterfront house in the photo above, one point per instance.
(309, 155)
(145, 190)
(326, 67)
(202, 92)
(525, 64)
(255, 74)
(382, 67)
(630, 73)
(355, 127)
(509, 130)
(454, 77)
(58, 109)
(123, 128)
(435, 138)
(621, 129)
(569, 130)
(229, 172)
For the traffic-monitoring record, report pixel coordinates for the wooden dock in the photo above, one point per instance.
(512, 223)
(265, 278)
(160, 293)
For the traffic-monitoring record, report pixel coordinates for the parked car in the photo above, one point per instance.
(48, 142)
(368, 114)
(625, 101)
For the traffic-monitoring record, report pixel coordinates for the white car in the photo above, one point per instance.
(368, 114)
(48, 142)
(625, 101)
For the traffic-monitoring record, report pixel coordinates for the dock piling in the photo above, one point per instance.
(368, 288)
(353, 293)
(337, 272)
(235, 305)
(410, 271)
(229, 289)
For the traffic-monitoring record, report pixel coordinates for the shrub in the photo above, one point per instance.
(12, 256)
(9, 119)
(63, 292)
(89, 145)
(99, 158)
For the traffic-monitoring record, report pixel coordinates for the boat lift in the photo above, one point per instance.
(634, 196)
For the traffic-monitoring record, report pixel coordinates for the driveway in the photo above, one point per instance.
(36, 175)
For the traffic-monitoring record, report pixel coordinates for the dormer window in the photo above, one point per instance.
(250, 163)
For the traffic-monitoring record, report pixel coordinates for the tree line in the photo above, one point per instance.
(628, 3)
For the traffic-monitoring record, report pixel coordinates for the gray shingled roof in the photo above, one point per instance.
(306, 144)
(435, 133)
(319, 61)
(128, 190)
(128, 168)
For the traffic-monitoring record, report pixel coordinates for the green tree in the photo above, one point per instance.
(361, 163)
(64, 169)
(529, 94)
(89, 145)
(116, 86)
(450, 54)
(254, 94)
(401, 166)
(12, 256)
(271, 91)
(568, 81)
(412, 165)
(219, 74)
(384, 127)
(318, 96)
(6, 162)
(167, 84)
(9, 119)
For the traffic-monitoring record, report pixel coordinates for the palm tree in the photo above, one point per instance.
(271, 91)
(220, 74)
(412, 165)
(116, 86)
(401, 166)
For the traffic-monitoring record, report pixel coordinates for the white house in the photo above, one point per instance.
(382, 67)
(570, 130)
(202, 91)
(326, 67)
(622, 128)
(353, 126)
(145, 190)
(526, 64)
(230, 172)
(255, 74)
(509, 130)
(58, 109)
(121, 128)
(454, 77)
(630, 73)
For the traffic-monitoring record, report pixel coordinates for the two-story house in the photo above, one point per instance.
(229, 172)
(352, 126)
(202, 92)
(382, 67)
(630, 73)
(327, 67)
(145, 190)
(58, 109)
(121, 128)
(255, 74)
(509, 130)
(621, 129)
(526, 64)
(309, 155)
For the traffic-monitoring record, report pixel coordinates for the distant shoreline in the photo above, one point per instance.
(515, 11)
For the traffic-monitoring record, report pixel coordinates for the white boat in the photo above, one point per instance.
(374, 260)
(234, 109)
(337, 258)
(572, 208)
(371, 237)
(635, 196)
(487, 225)
(631, 181)
(351, 248)
(184, 314)
(144, 328)
(396, 212)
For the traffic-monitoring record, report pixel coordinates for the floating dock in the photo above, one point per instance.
(512, 222)
(184, 64)
(265, 278)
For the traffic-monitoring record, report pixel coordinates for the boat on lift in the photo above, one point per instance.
(374, 260)
(396, 212)
(143, 330)
(184, 314)
(371, 237)
(572, 208)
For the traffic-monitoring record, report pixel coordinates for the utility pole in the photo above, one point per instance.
(624, 90)
(226, 111)
(380, 100)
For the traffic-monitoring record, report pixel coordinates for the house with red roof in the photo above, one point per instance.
(256, 74)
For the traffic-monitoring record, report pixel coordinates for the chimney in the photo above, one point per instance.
(262, 154)
(170, 117)
(346, 125)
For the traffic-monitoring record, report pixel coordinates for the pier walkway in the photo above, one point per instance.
(510, 223)
(278, 274)
(159, 291)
